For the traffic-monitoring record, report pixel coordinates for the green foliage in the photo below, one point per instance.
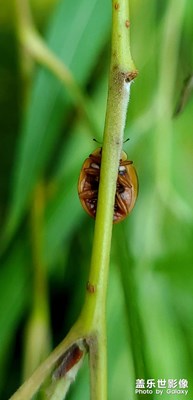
(45, 141)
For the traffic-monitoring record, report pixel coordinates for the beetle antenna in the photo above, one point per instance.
(96, 141)
(126, 140)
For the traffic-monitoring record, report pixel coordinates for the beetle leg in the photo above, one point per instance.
(121, 204)
(92, 171)
(88, 194)
(95, 159)
(124, 180)
(126, 162)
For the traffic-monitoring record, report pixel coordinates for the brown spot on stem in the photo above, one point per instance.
(92, 344)
(127, 23)
(131, 75)
(90, 288)
(67, 361)
(116, 6)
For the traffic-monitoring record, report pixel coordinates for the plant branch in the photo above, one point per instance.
(37, 338)
(36, 47)
(122, 72)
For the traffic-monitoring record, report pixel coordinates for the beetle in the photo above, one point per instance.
(126, 189)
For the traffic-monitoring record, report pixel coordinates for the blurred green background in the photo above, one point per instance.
(46, 237)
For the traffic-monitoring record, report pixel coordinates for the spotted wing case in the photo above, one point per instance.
(126, 189)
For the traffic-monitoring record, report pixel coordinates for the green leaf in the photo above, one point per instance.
(13, 301)
(72, 36)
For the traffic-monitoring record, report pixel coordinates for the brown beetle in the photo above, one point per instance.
(126, 191)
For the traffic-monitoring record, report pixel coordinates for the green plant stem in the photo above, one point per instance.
(31, 385)
(91, 325)
(122, 72)
(169, 53)
(37, 340)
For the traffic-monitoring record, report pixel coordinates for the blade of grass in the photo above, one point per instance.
(48, 100)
